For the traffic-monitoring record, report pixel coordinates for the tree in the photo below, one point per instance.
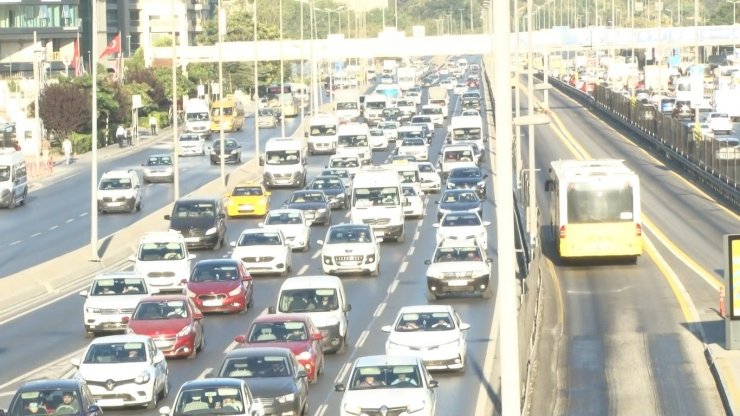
(65, 108)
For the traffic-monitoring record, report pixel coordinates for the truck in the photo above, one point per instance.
(389, 67)
(727, 101)
(347, 105)
(438, 95)
(656, 77)
(227, 113)
(407, 77)
(197, 116)
(374, 105)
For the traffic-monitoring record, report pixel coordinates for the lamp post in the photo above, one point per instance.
(256, 81)
(94, 256)
(461, 20)
(222, 139)
(396, 12)
(176, 157)
(282, 69)
(734, 15)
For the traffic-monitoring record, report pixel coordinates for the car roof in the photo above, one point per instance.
(311, 282)
(371, 360)
(197, 199)
(213, 382)
(249, 351)
(348, 225)
(426, 308)
(164, 298)
(61, 384)
(267, 317)
(216, 261)
(286, 211)
(127, 274)
(120, 338)
(170, 236)
(260, 231)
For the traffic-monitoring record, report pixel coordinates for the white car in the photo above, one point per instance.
(435, 333)
(342, 173)
(124, 370)
(459, 266)
(378, 139)
(388, 384)
(293, 225)
(350, 162)
(416, 147)
(720, 122)
(430, 179)
(436, 112)
(448, 83)
(163, 260)
(414, 95)
(191, 144)
(462, 225)
(390, 129)
(413, 204)
(263, 251)
(350, 248)
(407, 107)
(111, 297)
(459, 89)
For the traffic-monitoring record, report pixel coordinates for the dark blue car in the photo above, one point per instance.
(459, 200)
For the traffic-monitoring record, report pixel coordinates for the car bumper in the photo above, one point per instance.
(320, 147)
(125, 394)
(176, 347)
(434, 357)
(159, 177)
(204, 241)
(191, 152)
(332, 340)
(225, 304)
(237, 210)
(293, 180)
(228, 158)
(105, 323)
(387, 231)
(274, 408)
(119, 206)
(361, 266)
(431, 186)
(458, 285)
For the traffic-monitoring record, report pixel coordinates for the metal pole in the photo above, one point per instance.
(461, 20)
(532, 206)
(517, 103)
(221, 138)
(256, 83)
(303, 63)
(510, 380)
(314, 64)
(94, 256)
(176, 155)
(282, 70)
(383, 11)
(396, 13)
(471, 16)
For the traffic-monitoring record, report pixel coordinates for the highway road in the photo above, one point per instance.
(628, 338)
(27, 341)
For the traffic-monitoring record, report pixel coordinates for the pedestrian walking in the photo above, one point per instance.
(67, 149)
(153, 125)
(120, 135)
(46, 154)
(129, 136)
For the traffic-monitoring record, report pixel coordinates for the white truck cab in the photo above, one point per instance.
(322, 134)
(377, 200)
(284, 163)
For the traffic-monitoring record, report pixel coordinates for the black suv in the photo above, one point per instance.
(201, 221)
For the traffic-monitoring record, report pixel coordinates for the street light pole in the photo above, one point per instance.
(461, 20)
(282, 70)
(176, 153)
(256, 82)
(94, 256)
(396, 12)
(222, 139)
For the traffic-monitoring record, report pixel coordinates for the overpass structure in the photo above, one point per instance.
(396, 44)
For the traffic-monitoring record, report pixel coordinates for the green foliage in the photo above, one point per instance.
(65, 108)
(184, 85)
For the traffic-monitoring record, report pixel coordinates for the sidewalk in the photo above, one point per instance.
(725, 366)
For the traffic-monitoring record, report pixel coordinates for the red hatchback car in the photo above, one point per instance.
(296, 332)
(220, 285)
(172, 321)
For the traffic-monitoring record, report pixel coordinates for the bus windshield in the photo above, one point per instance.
(376, 197)
(599, 202)
(352, 141)
(282, 157)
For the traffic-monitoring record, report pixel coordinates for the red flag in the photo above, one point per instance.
(113, 47)
(76, 64)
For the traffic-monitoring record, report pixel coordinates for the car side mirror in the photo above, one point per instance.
(436, 202)
(489, 260)
(433, 384)
(83, 293)
(242, 339)
(191, 256)
(75, 362)
(262, 161)
(232, 244)
(320, 242)
(261, 224)
(221, 215)
(167, 217)
(158, 358)
(94, 409)
(131, 258)
(386, 328)
(339, 387)
(125, 320)
(464, 326)
(247, 277)
(317, 336)
(347, 308)
(305, 134)
(549, 185)
(164, 410)
(271, 310)
(301, 374)
(435, 225)
(198, 316)
(486, 223)
(427, 262)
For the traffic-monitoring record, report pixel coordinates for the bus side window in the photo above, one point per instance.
(549, 185)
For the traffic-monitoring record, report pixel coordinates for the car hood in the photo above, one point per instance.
(248, 199)
(333, 192)
(178, 267)
(389, 397)
(306, 205)
(347, 249)
(158, 327)
(213, 286)
(459, 206)
(423, 338)
(461, 230)
(296, 347)
(114, 302)
(289, 230)
(270, 387)
(465, 181)
(182, 224)
(111, 371)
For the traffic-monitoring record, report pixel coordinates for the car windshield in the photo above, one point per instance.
(385, 376)
(379, 196)
(189, 138)
(426, 167)
(324, 130)
(278, 331)
(349, 234)
(432, 110)
(326, 183)
(462, 133)
(159, 161)
(408, 176)
(409, 191)
(465, 196)
(157, 310)
(283, 218)
(344, 162)
(413, 142)
(259, 239)
(282, 157)
(200, 116)
(209, 272)
(425, 321)
(266, 112)
(214, 400)
(300, 197)
(257, 366)
(466, 219)
(53, 401)
(112, 183)
(387, 126)
(448, 254)
(247, 191)
(115, 352)
(359, 140)
(161, 251)
(347, 105)
(458, 156)
(413, 134)
(118, 286)
(228, 144)
(342, 173)
(465, 173)
(193, 209)
(307, 300)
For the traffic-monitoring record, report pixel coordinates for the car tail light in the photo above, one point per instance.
(562, 231)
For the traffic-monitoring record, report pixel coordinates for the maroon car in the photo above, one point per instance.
(220, 285)
(294, 331)
(172, 321)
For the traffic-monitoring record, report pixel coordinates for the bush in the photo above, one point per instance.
(81, 142)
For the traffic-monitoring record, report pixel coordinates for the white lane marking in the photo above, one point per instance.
(70, 373)
(7, 393)
(417, 234)
(303, 270)
(361, 340)
(316, 254)
(379, 310)
(205, 373)
(84, 214)
(39, 369)
(69, 220)
(321, 410)
(403, 267)
(53, 227)
(342, 372)
(231, 347)
(35, 235)
(411, 251)
(393, 286)
(15, 242)
(347, 214)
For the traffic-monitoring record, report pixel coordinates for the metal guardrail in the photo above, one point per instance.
(705, 162)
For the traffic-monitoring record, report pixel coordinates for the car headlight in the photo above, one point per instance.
(285, 398)
(92, 310)
(434, 275)
(394, 345)
(452, 344)
(236, 291)
(327, 260)
(481, 184)
(143, 378)
(185, 331)
(340, 196)
(305, 355)
(352, 409)
(147, 171)
(321, 210)
(233, 152)
(416, 406)
(211, 231)
(370, 259)
(450, 184)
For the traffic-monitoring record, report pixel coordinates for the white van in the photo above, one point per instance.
(354, 139)
(324, 300)
(466, 130)
(163, 260)
(13, 178)
(284, 163)
(350, 162)
(377, 199)
(455, 156)
(119, 190)
(322, 134)
(374, 105)
(197, 116)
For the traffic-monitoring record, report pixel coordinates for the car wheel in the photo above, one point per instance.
(284, 273)
(12, 201)
(401, 238)
(89, 333)
(133, 206)
(342, 346)
(239, 158)
(138, 206)
(486, 294)
(153, 402)
(461, 370)
(431, 296)
(202, 345)
(376, 272)
(23, 198)
(166, 390)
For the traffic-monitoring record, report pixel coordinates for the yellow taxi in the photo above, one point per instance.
(247, 199)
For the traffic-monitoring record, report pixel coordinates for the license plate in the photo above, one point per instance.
(191, 239)
(457, 283)
(162, 344)
(246, 208)
(110, 402)
(213, 302)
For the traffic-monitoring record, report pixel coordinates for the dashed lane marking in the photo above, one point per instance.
(379, 310)
(321, 410)
(393, 286)
(15, 242)
(403, 267)
(205, 373)
(361, 340)
(35, 235)
(316, 254)
(231, 347)
(303, 270)
(53, 227)
(411, 251)
(69, 220)
(342, 372)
